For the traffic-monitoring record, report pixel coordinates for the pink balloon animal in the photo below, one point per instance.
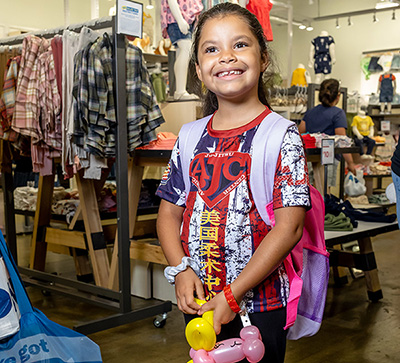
(248, 346)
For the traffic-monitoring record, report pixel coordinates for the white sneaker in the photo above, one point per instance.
(363, 156)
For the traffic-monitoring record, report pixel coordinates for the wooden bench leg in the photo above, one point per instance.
(42, 219)
(94, 231)
(339, 272)
(370, 269)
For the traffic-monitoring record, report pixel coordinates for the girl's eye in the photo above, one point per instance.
(240, 45)
(211, 50)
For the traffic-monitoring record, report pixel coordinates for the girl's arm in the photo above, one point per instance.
(348, 157)
(302, 127)
(187, 284)
(269, 255)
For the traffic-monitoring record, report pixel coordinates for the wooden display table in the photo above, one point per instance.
(363, 260)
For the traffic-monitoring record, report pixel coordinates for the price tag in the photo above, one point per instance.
(385, 125)
(327, 151)
(129, 18)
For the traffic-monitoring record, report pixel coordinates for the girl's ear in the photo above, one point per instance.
(198, 71)
(264, 62)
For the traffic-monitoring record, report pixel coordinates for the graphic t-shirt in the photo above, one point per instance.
(363, 124)
(221, 226)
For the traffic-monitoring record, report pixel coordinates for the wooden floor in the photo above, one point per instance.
(354, 330)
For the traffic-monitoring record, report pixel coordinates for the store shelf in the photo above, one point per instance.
(155, 58)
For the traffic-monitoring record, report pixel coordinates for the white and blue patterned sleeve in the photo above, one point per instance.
(291, 187)
(172, 185)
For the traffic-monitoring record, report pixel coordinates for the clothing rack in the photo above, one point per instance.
(100, 295)
(95, 24)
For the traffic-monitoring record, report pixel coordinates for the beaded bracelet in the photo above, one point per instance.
(231, 299)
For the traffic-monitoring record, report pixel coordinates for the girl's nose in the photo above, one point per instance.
(227, 57)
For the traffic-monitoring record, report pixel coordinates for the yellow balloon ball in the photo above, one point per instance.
(200, 334)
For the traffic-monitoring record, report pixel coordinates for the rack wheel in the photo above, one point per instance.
(160, 320)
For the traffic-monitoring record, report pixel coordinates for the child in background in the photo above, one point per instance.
(216, 229)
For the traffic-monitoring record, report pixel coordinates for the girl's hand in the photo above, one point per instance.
(223, 314)
(187, 286)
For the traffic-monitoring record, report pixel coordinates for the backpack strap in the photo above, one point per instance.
(266, 148)
(189, 137)
(266, 145)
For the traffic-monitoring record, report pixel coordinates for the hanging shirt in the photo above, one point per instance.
(385, 61)
(26, 110)
(190, 10)
(7, 101)
(72, 43)
(261, 9)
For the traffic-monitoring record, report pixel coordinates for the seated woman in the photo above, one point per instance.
(329, 119)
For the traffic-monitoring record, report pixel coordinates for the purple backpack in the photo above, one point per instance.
(307, 265)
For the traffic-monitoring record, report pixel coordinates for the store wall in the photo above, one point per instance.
(42, 14)
(350, 41)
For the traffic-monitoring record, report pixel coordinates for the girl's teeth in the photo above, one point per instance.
(223, 74)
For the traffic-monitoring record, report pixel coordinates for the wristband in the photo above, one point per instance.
(171, 271)
(231, 299)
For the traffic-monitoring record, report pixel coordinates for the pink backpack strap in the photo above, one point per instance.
(296, 285)
(295, 281)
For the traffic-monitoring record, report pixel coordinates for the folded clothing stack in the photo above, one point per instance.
(379, 169)
(165, 141)
(309, 141)
(362, 199)
(337, 223)
(335, 206)
(379, 199)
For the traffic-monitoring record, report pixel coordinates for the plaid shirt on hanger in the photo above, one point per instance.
(7, 100)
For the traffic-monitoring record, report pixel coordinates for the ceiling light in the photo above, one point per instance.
(302, 26)
(337, 23)
(349, 22)
(149, 5)
(386, 4)
(394, 15)
(310, 28)
(375, 19)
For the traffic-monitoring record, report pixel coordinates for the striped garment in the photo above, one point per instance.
(7, 100)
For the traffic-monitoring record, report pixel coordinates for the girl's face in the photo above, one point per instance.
(229, 59)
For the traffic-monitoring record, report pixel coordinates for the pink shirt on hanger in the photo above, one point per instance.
(190, 9)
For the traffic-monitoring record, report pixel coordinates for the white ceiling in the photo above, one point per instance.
(309, 9)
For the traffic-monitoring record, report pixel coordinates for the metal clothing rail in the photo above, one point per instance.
(96, 24)
(115, 300)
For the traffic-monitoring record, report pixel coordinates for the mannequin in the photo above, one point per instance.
(177, 23)
(363, 130)
(386, 90)
(300, 76)
(322, 55)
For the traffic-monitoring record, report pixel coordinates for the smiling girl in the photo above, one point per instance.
(213, 236)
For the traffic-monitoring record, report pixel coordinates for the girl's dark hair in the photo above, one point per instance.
(210, 102)
(328, 92)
